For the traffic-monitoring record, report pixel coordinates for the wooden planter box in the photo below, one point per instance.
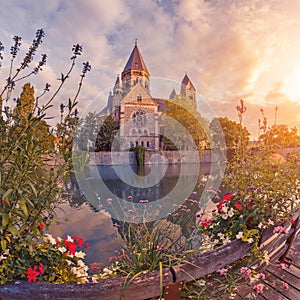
(148, 285)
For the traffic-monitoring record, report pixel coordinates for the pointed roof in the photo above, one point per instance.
(118, 80)
(173, 94)
(135, 61)
(187, 80)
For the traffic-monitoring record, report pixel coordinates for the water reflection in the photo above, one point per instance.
(83, 218)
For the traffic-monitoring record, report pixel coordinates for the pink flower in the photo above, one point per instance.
(109, 201)
(262, 276)
(87, 245)
(246, 271)
(259, 288)
(223, 271)
(209, 284)
(282, 266)
(279, 229)
(285, 285)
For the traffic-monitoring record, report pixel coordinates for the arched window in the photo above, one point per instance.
(139, 97)
(142, 143)
(148, 144)
(136, 143)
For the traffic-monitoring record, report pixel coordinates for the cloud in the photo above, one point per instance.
(228, 48)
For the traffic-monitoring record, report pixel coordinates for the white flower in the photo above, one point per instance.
(62, 249)
(201, 282)
(270, 222)
(4, 255)
(49, 238)
(231, 212)
(250, 240)
(94, 278)
(226, 240)
(220, 235)
(69, 239)
(239, 235)
(80, 254)
(224, 216)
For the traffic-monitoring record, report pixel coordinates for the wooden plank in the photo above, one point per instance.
(285, 275)
(295, 271)
(294, 256)
(291, 293)
(271, 293)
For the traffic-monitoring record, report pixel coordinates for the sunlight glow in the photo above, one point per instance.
(291, 85)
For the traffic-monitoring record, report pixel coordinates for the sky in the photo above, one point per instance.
(231, 49)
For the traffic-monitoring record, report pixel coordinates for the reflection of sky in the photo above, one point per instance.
(95, 228)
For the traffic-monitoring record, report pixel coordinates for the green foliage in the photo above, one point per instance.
(188, 118)
(139, 152)
(106, 134)
(280, 137)
(233, 133)
(30, 188)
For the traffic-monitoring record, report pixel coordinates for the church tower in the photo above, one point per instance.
(188, 90)
(135, 71)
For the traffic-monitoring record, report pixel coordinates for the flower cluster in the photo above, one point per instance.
(226, 222)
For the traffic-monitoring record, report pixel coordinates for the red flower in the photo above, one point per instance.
(87, 245)
(80, 242)
(227, 197)
(32, 273)
(41, 268)
(220, 205)
(238, 206)
(41, 226)
(205, 223)
(71, 247)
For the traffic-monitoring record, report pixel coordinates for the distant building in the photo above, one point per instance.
(137, 111)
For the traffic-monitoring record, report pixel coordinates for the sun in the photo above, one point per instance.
(291, 85)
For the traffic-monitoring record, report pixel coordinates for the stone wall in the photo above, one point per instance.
(152, 157)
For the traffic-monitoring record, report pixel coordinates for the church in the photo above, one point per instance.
(137, 112)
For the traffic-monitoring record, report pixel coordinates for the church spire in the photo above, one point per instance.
(135, 70)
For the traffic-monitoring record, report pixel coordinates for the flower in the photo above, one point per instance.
(227, 197)
(285, 285)
(262, 276)
(238, 206)
(280, 229)
(41, 268)
(87, 245)
(259, 288)
(246, 271)
(239, 235)
(205, 223)
(223, 271)
(49, 238)
(41, 226)
(32, 273)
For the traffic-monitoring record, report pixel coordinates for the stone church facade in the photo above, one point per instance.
(137, 112)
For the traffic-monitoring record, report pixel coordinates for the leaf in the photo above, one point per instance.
(4, 219)
(13, 230)
(33, 188)
(7, 193)
(3, 244)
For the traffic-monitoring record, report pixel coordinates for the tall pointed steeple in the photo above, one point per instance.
(135, 70)
(188, 90)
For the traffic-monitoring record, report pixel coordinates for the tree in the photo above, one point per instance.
(34, 125)
(281, 136)
(233, 132)
(182, 117)
(106, 134)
